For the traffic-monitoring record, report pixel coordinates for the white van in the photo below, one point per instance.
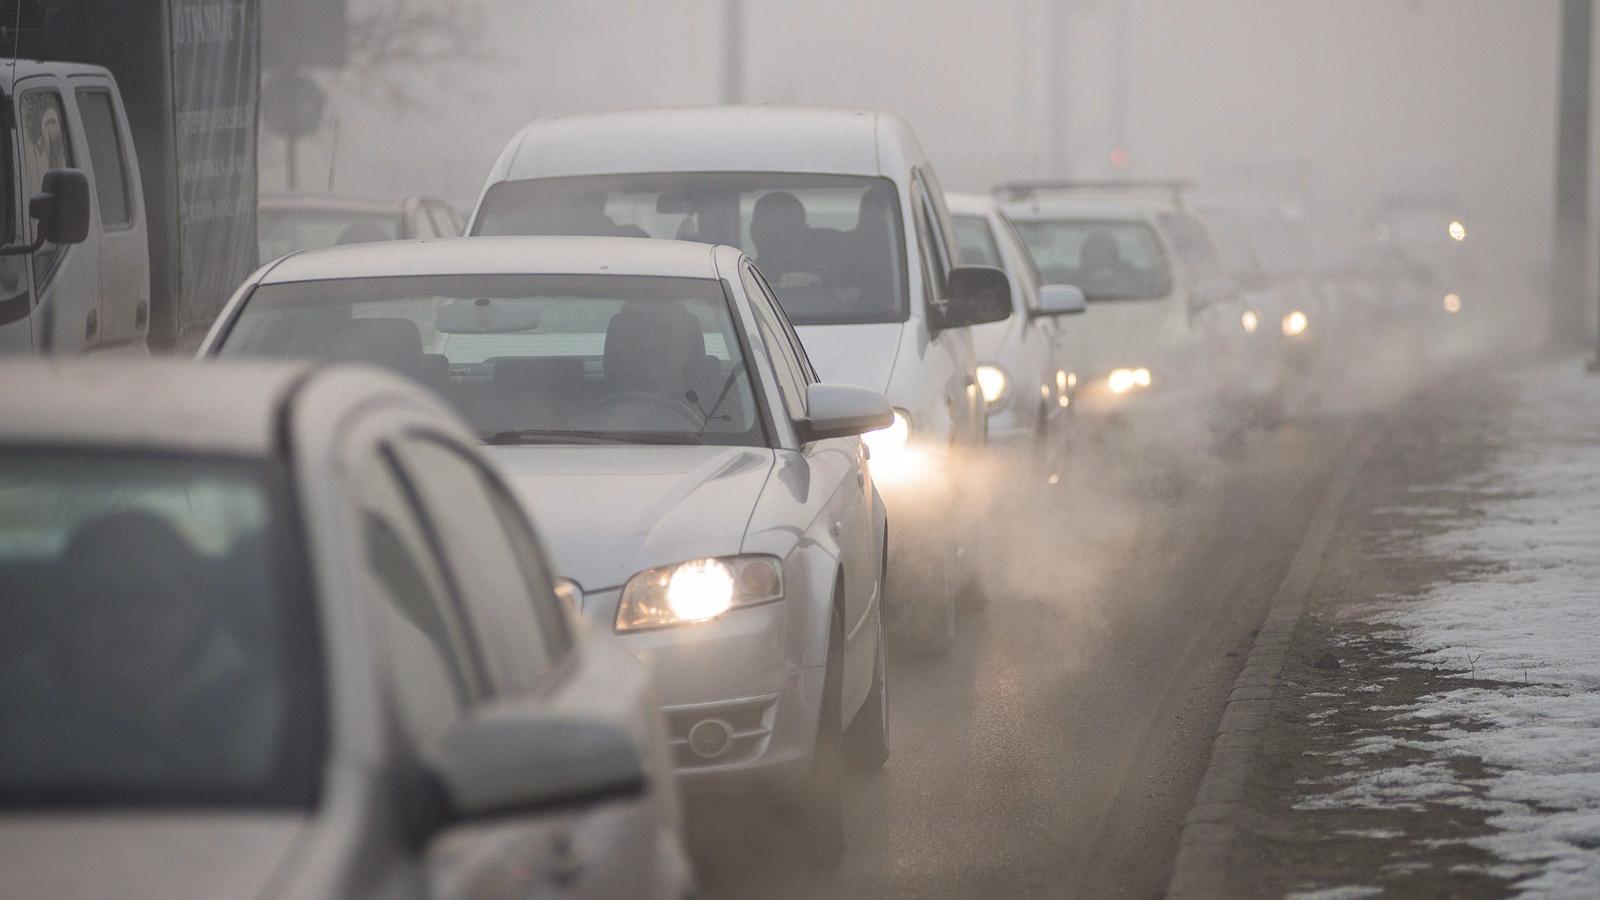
(845, 217)
(75, 265)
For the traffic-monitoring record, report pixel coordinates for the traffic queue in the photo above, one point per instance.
(450, 564)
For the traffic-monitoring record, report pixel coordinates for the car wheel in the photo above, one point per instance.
(867, 741)
(819, 798)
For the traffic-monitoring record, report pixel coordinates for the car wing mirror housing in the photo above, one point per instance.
(977, 294)
(1062, 300)
(839, 410)
(508, 761)
(61, 208)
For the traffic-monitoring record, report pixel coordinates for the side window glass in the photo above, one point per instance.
(934, 267)
(808, 372)
(428, 653)
(494, 588)
(107, 159)
(791, 380)
(45, 146)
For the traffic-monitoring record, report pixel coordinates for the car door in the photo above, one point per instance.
(1039, 334)
(501, 580)
(66, 279)
(124, 258)
(837, 474)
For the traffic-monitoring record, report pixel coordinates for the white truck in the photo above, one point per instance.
(75, 260)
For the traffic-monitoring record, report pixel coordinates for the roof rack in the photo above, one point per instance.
(1022, 190)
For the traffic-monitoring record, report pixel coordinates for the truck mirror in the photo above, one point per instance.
(62, 207)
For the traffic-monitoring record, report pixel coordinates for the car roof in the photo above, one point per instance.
(27, 67)
(160, 404)
(499, 256)
(969, 204)
(713, 139)
(1100, 208)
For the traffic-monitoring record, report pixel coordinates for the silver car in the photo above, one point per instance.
(705, 497)
(279, 631)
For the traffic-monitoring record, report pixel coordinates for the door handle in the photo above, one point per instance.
(565, 863)
(836, 529)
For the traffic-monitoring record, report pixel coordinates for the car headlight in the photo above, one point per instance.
(1251, 320)
(992, 382)
(1452, 302)
(697, 591)
(568, 592)
(1295, 324)
(892, 438)
(1122, 381)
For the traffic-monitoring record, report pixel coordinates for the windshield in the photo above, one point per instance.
(531, 358)
(154, 651)
(1110, 260)
(280, 232)
(831, 245)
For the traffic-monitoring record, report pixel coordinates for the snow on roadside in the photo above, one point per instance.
(1524, 637)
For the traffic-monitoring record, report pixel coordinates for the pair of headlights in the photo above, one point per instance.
(1293, 325)
(688, 592)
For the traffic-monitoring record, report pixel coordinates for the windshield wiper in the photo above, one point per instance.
(542, 436)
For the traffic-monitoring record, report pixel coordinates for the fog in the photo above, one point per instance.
(1359, 97)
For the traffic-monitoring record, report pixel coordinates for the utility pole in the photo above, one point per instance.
(1570, 248)
(732, 51)
(1056, 56)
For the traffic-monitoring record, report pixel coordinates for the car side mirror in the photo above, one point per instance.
(977, 294)
(62, 209)
(507, 761)
(1061, 300)
(62, 206)
(839, 410)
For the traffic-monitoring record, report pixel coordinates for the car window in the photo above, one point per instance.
(1109, 260)
(158, 647)
(429, 651)
(795, 344)
(484, 563)
(832, 245)
(107, 158)
(934, 264)
(531, 358)
(46, 145)
(791, 377)
(975, 242)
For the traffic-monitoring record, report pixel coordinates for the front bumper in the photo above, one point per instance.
(732, 684)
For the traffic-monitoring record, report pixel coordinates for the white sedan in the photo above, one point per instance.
(703, 495)
(279, 631)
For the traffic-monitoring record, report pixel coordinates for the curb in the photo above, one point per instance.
(1210, 830)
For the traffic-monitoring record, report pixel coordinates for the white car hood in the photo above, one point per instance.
(860, 355)
(607, 512)
(1121, 334)
(145, 856)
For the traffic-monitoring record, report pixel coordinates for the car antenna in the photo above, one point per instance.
(333, 155)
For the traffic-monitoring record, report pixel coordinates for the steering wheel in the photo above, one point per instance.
(690, 414)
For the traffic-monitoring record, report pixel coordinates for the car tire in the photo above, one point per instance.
(819, 798)
(867, 741)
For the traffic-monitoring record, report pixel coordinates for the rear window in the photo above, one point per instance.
(153, 650)
(832, 246)
(1108, 260)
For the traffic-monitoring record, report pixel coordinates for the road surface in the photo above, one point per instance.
(1056, 751)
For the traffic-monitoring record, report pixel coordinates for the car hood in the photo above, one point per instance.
(1121, 333)
(860, 355)
(605, 513)
(135, 856)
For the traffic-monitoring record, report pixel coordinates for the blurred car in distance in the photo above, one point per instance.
(286, 223)
(279, 630)
(705, 495)
(1023, 373)
(843, 212)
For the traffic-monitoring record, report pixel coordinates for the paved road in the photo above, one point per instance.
(1055, 752)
